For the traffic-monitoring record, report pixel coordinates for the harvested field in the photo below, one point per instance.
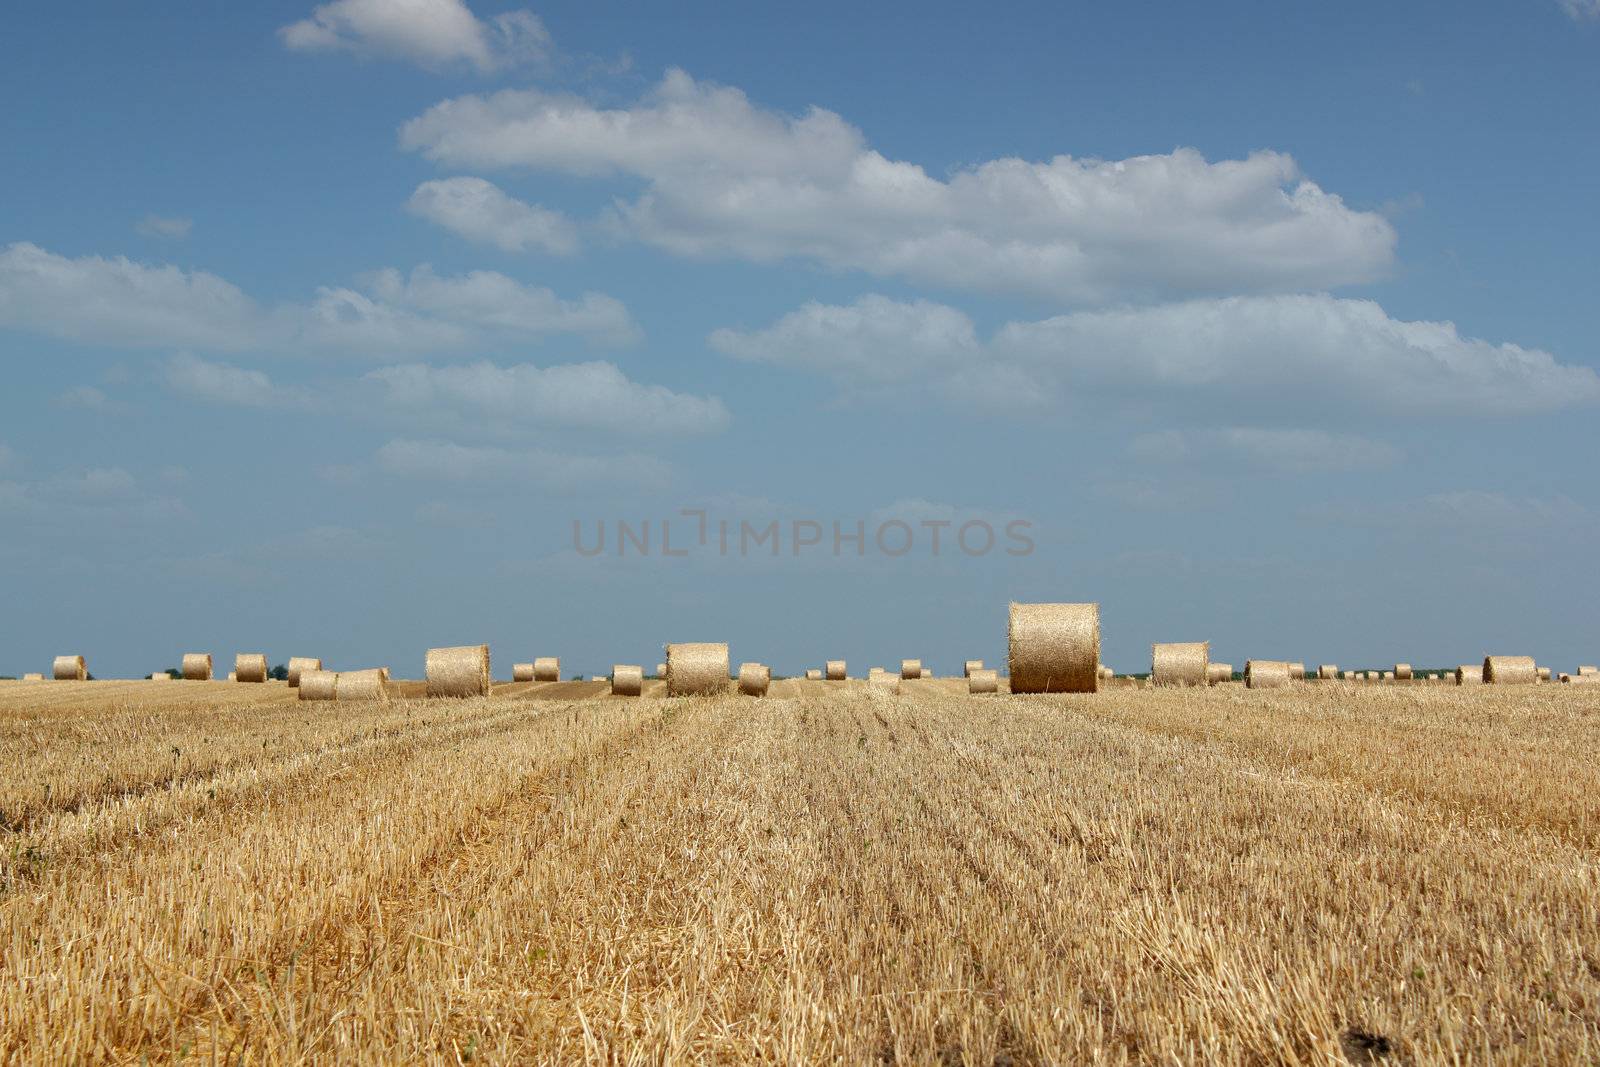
(835, 873)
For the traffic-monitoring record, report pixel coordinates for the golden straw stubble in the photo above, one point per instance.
(459, 672)
(1179, 663)
(627, 680)
(695, 669)
(1054, 648)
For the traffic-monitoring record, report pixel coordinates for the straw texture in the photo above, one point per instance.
(1469, 674)
(458, 672)
(1266, 674)
(522, 672)
(250, 667)
(983, 681)
(1054, 648)
(298, 665)
(814, 675)
(1179, 663)
(754, 679)
(971, 665)
(1217, 673)
(1509, 670)
(232, 677)
(911, 668)
(1581, 679)
(547, 669)
(318, 685)
(197, 667)
(362, 685)
(33, 677)
(1328, 672)
(835, 670)
(627, 680)
(1544, 674)
(661, 670)
(69, 669)
(1402, 671)
(1584, 671)
(694, 669)
(161, 676)
(926, 672)
(1297, 672)
(884, 681)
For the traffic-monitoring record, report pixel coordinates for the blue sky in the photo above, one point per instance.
(322, 325)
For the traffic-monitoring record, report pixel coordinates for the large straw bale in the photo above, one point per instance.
(69, 669)
(754, 678)
(522, 672)
(318, 685)
(1266, 674)
(1402, 672)
(250, 667)
(983, 681)
(835, 670)
(547, 669)
(911, 668)
(697, 668)
(1054, 648)
(197, 667)
(371, 684)
(458, 672)
(1179, 663)
(1509, 670)
(627, 680)
(298, 665)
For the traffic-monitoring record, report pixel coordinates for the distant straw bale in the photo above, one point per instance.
(814, 675)
(371, 684)
(627, 680)
(547, 669)
(69, 669)
(911, 668)
(697, 668)
(1054, 648)
(1266, 674)
(1179, 663)
(522, 672)
(1469, 674)
(298, 665)
(754, 678)
(197, 667)
(1509, 670)
(250, 667)
(983, 681)
(458, 672)
(318, 685)
(971, 665)
(835, 670)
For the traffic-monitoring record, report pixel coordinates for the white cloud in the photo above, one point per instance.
(171, 228)
(443, 461)
(726, 178)
(127, 304)
(581, 395)
(480, 211)
(431, 33)
(1293, 451)
(1331, 352)
(220, 383)
(1581, 9)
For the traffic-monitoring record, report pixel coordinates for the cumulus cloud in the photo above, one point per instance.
(1333, 351)
(121, 302)
(593, 395)
(431, 33)
(444, 461)
(221, 383)
(1292, 451)
(723, 177)
(481, 212)
(171, 228)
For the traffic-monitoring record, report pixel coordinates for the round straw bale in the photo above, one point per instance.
(814, 675)
(1469, 674)
(33, 677)
(754, 679)
(250, 667)
(1297, 672)
(69, 669)
(1544, 674)
(661, 670)
(1216, 673)
(362, 685)
(835, 671)
(982, 681)
(627, 680)
(696, 668)
(1402, 672)
(1266, 674)
(318, 684)
(522, 672)
(298, 665)
(197, 667)
(911, 668)
(161, 676)
(1388, 676)
(547, 669)
(971, 665)
(1581, 679)
(1585, 670)
(1328, 672)
(458, 672)
(1509, 670)
(927, 672)
(1054, 648)
(873, 672)
(1179, 663)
